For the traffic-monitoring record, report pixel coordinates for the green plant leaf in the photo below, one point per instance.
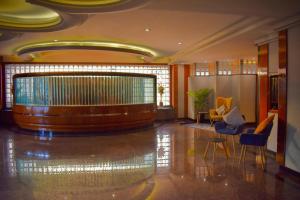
(200, 97)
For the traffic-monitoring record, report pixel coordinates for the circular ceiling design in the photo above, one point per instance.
(18, 14)
(90, 6)
(86, 2)
(90, 45)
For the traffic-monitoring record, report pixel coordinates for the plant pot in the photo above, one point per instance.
(161, 103)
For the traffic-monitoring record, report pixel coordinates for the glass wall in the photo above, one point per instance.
(77, 89)
(161, 71)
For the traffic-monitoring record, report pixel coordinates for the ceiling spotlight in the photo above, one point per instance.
(179, 43)
(55, 40)
(147, 29)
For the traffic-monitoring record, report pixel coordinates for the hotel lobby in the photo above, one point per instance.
(149, 99)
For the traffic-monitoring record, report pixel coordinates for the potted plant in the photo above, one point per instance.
(200, 100)
(161, 92)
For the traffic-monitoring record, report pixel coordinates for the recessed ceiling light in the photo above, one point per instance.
(55, 40)
(147, 29)
(179, 43)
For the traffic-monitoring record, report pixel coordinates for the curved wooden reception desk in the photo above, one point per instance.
(84, 101)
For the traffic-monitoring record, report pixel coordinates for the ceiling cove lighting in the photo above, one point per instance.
(90, 6)
(23, 15)
(90, 45)
(86, 2)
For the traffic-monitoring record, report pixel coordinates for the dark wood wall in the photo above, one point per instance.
(174, 88)
(282, 95)
(263, 81)
(187, 73)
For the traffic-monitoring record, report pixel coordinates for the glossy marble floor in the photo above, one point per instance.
(164, 162)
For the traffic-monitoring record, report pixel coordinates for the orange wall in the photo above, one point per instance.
(174, 87)
(187, 73)
(263, 65)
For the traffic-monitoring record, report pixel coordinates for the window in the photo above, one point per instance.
(202, 69)
(224, 68)
(249, 66)
(161, 71)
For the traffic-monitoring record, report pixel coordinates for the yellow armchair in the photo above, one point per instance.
(213, 115)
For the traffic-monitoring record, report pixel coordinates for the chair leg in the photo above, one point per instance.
(261, 156)
(233, 146)
(264, 155)
(242, 152)
(206, 150)
(227, 146)
(244, 155)
(215, 147)
(225, 150)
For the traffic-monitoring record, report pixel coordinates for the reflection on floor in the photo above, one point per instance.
(164, 162)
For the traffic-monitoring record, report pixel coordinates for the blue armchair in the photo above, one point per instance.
(226, 129)
(259, 140)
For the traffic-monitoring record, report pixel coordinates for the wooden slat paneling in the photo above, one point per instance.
(263, 56)
(175, 88)
(282, 97)
(187, 72)
(282, 46)
(263, 81)
(84, 118)
(263, 97)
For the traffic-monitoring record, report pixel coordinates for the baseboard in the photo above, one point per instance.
(188, 118)
(289, 171)
(287, 174)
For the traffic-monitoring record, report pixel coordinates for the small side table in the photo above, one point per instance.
(200, 115)
(214, 141)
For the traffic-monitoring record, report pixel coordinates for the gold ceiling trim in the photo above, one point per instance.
(18, 14)
(90, 6)
(86, 2)
(90, 45)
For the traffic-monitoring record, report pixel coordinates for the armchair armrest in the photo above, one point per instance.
(212, 112)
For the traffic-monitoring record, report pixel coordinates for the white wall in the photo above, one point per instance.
(292, 153)
(273, 69)
(247, 98)
(224, 86)
(272, 140)
(273, 57)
